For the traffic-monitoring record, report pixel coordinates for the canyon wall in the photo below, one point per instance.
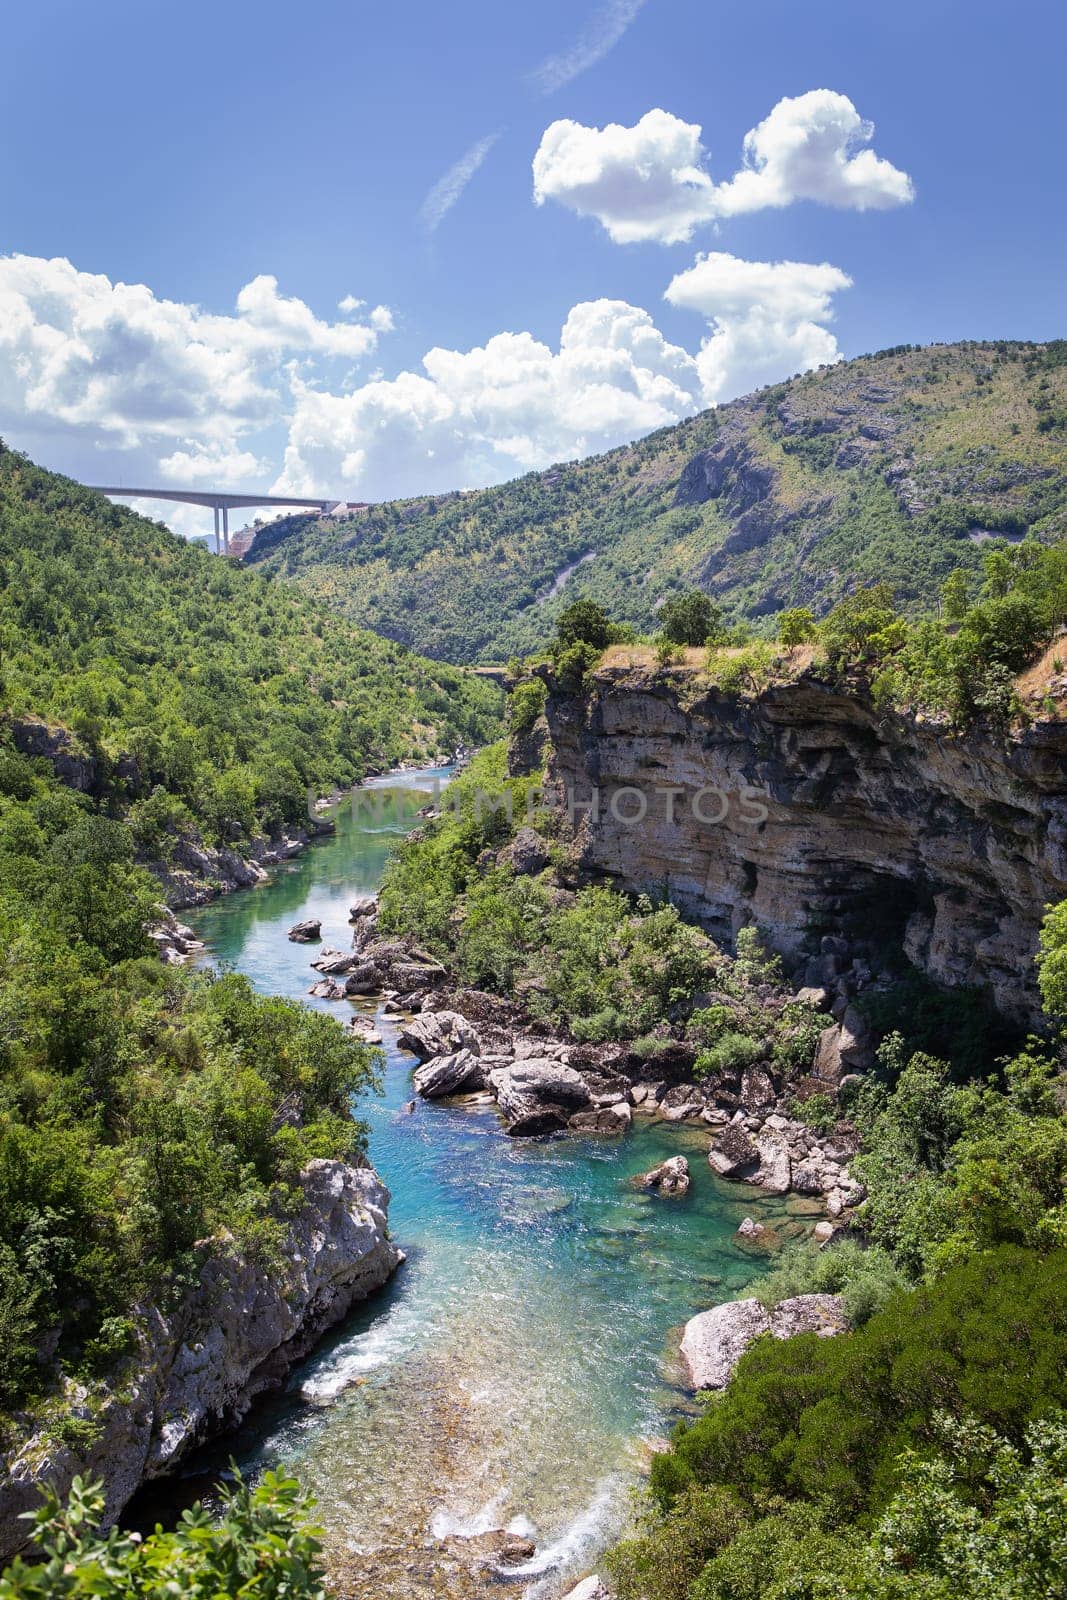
(805, 810)
(200, 1362)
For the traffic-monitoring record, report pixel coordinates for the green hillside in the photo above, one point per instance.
(896, 466)
(181, 673)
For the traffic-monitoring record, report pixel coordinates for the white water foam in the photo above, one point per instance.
(380, 1346)
(585, 1538)
(451, 1524)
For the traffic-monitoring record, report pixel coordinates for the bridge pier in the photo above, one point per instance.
(217, 545)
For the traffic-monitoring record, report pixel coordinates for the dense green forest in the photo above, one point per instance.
(896, 467)
(197, 689)
(140, 1105)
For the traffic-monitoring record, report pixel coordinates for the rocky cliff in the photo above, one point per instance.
(201, 1362)
(805, 810)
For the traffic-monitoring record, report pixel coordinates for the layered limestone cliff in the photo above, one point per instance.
(201, 1362)
(805, 810)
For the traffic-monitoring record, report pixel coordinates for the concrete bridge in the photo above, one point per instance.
(220, 503)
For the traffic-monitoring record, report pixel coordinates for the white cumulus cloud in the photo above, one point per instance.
(176, 387)
(482, 415)
(650, 182)
(768, 319)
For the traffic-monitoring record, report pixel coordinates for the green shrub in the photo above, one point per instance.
(525, 704)
(731, 1053)
(262, 1543)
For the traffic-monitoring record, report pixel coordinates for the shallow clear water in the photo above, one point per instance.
(516, 1369)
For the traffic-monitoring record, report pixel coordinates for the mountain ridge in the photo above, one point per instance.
(897, 466)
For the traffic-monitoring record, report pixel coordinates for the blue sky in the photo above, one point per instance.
(191, 152)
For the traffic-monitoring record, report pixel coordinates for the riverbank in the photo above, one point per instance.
(520, 1370)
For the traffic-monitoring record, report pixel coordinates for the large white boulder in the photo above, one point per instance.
(714, 1342)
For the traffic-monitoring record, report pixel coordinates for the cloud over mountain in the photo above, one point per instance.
(650, 181)
(768, 319)
(481, 415)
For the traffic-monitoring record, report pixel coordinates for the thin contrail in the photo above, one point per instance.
(447, 190)
(602, 32)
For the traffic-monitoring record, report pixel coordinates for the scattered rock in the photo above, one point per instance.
(824, 1232)
(733, 1154)
(365, 906)
(750, 1229)
(496, 1548)
(526, 854)
(309, 932)
(670, 1177)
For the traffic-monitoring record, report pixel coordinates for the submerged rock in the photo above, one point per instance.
(714, 1342)
(670, 1177)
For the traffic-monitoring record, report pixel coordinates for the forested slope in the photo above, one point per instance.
(180, 673)
(897, 466)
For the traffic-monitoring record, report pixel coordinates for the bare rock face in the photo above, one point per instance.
(199, 1365)
(459, 1073)
(733, 1155)
(438, 1033)
(715, 1341)
(803, 808)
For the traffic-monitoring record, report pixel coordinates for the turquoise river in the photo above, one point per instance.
(520, 1367)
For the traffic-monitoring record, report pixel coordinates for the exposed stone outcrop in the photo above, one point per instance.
(199, 1365)
(308, 932)
(452, 1074)
(197, 873)
(814, 810)
(714, 1342)
(538, 1095)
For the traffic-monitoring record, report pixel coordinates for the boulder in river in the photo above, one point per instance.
(538, 1095)
(593, 1588)
(309, 932)
(458, 1073)
(715, 1341)
(437, 1033)
(326, 989)
(365, 906)
(670, 1177)
(733, 1155)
